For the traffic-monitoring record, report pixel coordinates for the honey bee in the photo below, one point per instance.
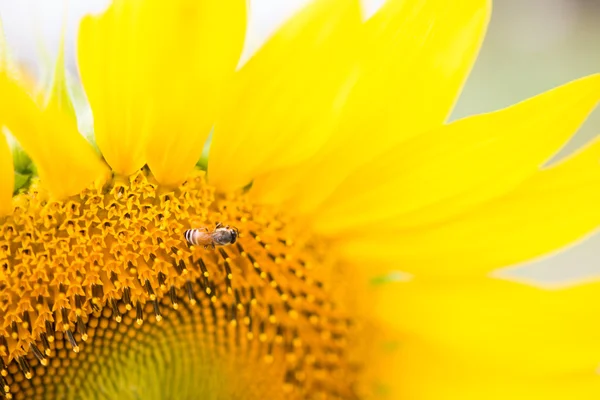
(222, 235)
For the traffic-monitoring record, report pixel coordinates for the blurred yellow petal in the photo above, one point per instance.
(48, 136)
(549, 211)
(425, 48)
(6, 164)
(424, 373)
(153, 72)
(451, 169)
(502, 327)
(415, 59)
(7, 177)
(286, 99)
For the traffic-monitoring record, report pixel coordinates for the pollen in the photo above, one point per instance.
(100, 294)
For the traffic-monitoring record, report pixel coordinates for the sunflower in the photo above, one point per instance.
(133, 273)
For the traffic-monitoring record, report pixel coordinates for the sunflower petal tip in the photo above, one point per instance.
(58, 97)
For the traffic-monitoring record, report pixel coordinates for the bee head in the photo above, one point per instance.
(234, 234)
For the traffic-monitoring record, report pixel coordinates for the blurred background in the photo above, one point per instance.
(531, 46)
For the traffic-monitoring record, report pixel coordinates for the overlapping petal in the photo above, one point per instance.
(547, 212)
(454, 168)
(154, 73)
(503, 328)
(286, 99)
(415, 58)
(47, 136)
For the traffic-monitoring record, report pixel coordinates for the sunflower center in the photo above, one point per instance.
(102, 296)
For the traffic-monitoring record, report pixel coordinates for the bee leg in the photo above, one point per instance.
(213, 246)
(219, 225)
(206, 229)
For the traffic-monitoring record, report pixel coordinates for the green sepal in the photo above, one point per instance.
(21, 181)
(21, 161)
(24, 168)
(202, 163)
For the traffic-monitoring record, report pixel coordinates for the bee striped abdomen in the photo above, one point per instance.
(191, 236)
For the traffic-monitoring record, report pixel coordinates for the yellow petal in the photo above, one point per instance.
(416, 56)
(548, 211)
(285, 100)
(451, 169)
(197, 51)
(6, 165)
(7, 177)
(110, 50)
(154, 73)
(65, 161)
(498, 326)
(423, 373)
